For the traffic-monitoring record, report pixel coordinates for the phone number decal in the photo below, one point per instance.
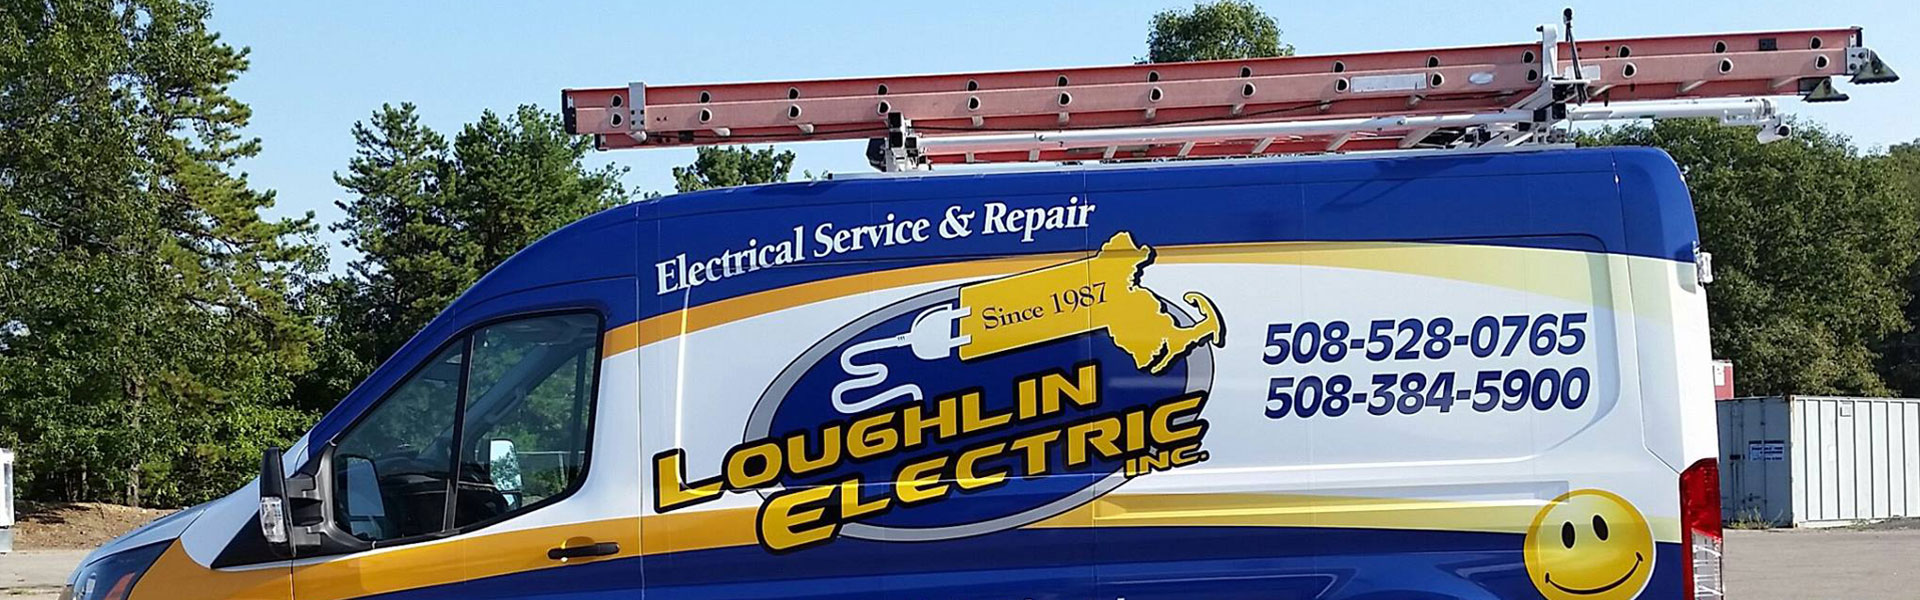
(1555, 337)
(1436, 338)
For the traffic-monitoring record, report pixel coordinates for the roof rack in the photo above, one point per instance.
(1446, 98)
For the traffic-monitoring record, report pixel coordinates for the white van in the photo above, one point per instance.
(1471, 375)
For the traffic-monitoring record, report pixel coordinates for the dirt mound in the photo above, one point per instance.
(76, 524)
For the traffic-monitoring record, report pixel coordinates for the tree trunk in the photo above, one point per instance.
(136, 394)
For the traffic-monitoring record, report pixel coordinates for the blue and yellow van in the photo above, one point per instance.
(1469, 375)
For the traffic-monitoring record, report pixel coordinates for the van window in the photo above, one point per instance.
(391, 470)
(529, 395)
(524, 413)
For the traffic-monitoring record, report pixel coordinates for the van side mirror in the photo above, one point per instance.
(273, 501)
(289, 508)
(503, 467)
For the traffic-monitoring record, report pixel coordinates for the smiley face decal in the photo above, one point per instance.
(1589, 545)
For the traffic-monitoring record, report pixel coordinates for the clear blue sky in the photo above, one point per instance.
(318, 67)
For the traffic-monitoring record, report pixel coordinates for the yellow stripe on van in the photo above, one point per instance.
(1301, 510)
(699, 530)
(685, 321)
(175, 575)
(1568, 274)
(1585, 277)
(620, 339)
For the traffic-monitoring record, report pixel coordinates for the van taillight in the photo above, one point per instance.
(1700, 524)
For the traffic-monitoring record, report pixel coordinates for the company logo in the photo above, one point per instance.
(973, 409)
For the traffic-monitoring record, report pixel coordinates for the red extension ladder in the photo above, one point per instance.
(1446, 98)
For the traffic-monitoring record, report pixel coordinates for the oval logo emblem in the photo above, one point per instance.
(975, 408)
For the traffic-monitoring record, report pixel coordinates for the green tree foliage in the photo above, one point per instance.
(1811, 244)
(521, 177)
(1216, 30)
(147, 330)
(346, 352)
(429, 217)
(414, 257)
(1901, 354)
(717, 167)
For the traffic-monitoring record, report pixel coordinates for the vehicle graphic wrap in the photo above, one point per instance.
(1286, 392)
(1331, 380)
(971, 401)
(1372, 416)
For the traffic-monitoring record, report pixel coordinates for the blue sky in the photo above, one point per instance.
(318, 67)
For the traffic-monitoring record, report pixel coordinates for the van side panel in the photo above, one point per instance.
(1340, 379)
(1657, 206)
(1440, 377)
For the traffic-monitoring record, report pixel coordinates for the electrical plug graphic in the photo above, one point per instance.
(933, 336)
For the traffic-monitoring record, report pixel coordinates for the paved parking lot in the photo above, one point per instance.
(36, 574)
(1761, 565)
(1799, 564)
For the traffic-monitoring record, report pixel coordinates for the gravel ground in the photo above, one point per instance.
(1788, 564)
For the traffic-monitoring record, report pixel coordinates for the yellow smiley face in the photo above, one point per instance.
(1589, 545)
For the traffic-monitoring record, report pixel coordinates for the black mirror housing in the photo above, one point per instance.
(273, 502)
(293, 509)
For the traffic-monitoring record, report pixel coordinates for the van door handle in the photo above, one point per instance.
(590, 550)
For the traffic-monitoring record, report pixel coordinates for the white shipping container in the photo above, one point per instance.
(1817, 460)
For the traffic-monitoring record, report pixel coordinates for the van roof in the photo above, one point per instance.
(547, 262)
(1168, 174)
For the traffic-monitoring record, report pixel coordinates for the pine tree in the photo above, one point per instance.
(429, 218)
(413, 253)
(520, 178)
(717, 167)
(147, 301)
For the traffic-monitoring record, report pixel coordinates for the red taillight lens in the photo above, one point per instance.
(1700, 528)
